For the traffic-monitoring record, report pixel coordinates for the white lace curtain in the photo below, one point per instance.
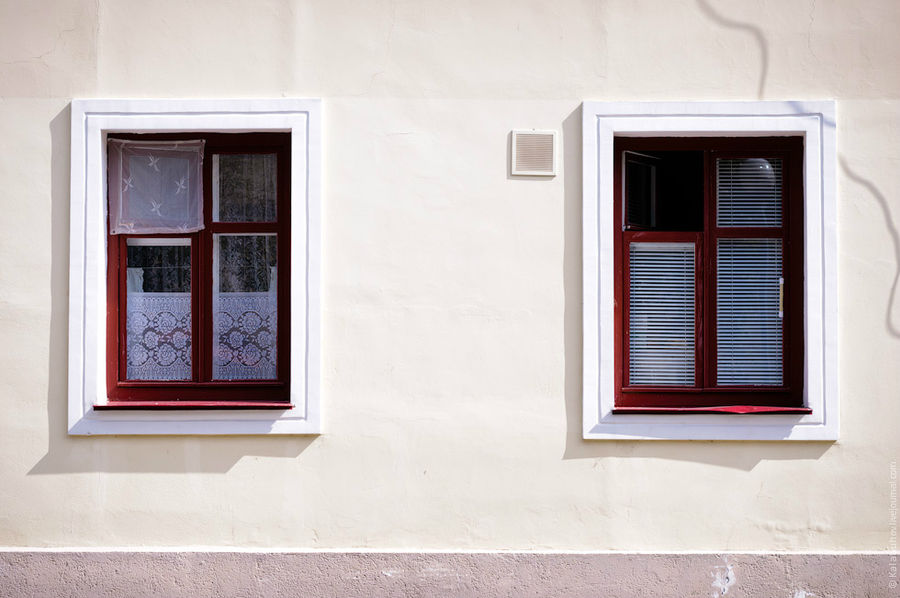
(155, 186)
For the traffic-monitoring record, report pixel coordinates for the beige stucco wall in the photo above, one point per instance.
(451, 293)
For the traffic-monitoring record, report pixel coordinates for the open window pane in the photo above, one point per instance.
(245, 307)
(661, 314)
(158, 328)
(244, 187)
(663, 190)
(749, 301)
(749, 192)
(640, 193)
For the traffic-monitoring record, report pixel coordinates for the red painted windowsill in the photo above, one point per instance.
(743, 409)
(118, 405)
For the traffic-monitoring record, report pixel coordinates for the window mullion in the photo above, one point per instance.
(707, 320)
(196, 306)
(122, 253)
(785, 274)
(205, 288)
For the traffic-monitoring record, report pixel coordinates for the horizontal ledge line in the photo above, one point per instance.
(138, 113)
(712, 115)
(177, 405)
(736, 409)
(412, 550)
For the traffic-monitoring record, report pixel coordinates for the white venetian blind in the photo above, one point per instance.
(749, 312)
(749, 192)
(661, 314)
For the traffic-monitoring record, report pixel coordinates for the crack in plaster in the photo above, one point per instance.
(40, 57)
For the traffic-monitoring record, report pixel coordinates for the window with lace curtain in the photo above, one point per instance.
(198, 246)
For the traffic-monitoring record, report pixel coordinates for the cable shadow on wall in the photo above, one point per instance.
(892, 328)
(753, 30)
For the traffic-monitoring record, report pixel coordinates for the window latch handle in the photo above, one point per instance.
(781, 297)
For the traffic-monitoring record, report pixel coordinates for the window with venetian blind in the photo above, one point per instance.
(709, 284)
(198, 246)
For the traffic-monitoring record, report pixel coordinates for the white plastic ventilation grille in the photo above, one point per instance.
(534, 153)
(661, 314)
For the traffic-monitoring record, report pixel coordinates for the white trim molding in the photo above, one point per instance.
(815, 122)
(92, 120)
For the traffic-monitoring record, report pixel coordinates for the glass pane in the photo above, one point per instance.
(158, 323)
(155, 186)
(640, 191)
(244, 187)
(245, 308)
(749, 192)
(664, 190)
(749, 318)
(661, 314)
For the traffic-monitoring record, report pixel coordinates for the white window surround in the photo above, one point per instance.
(815, 122)
(92, 120)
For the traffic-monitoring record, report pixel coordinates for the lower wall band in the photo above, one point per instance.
(191, 574)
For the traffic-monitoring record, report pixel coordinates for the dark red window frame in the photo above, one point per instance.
(705, 396)
(202, 392)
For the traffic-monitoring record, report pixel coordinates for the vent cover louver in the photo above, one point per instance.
(533, 153)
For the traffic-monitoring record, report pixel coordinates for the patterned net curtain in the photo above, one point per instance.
(245, 307)
(158, 329)
(155, 186)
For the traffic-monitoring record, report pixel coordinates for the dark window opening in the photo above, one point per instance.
(664, 190)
